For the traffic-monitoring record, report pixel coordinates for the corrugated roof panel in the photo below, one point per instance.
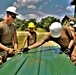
(32, 64)
(12, 66)
(39, 61)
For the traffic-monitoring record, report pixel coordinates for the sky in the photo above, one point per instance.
(38, 9)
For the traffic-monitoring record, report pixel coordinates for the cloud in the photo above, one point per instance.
(70, 8)
(1, 15)
(59, 10)
(45, 3)
(20, 17)
(28, 9)
(40, 7)
(34, 14)
(27, 3)
(32, 7)
(57, 6)
(29, 16)
(50, 0)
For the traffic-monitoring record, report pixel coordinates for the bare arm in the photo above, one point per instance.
(73, 40)
(24, 41)
(4, 47)
(37, 44)
(15, 41)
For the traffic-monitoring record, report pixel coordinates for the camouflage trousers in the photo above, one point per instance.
(3, 56)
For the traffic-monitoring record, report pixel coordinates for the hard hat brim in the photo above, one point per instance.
(12, 12)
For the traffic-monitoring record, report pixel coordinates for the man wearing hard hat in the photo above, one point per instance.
(31, 35)
(7, 34)
(61, 35)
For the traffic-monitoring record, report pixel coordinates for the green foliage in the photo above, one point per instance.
(44, 23)
(40, 30)
(21, 24)
(20, 40)
(40, 36)
(1, 19)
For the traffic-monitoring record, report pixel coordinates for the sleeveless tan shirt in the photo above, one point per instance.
(31, 38)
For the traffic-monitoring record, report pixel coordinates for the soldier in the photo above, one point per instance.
(31, 36)
(8, 36)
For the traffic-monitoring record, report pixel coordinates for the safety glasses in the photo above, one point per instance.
(13, 16)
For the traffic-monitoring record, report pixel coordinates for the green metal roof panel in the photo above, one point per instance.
(39, 61)
(13, 65)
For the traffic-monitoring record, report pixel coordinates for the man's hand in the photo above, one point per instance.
(67, 51)
(17, 52)
(11, 51)
(24, 50)
(73, 58)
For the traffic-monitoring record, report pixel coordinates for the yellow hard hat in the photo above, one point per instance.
(31, 25)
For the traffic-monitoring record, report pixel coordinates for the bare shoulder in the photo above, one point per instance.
(66, 28)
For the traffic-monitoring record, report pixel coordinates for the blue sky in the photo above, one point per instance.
(38, 8)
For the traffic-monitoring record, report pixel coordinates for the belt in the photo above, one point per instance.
(7, 44)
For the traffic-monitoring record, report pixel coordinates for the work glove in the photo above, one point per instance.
(67, 51)
(21, 50)
(24, 50)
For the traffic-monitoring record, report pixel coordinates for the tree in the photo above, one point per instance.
(46, 22)
(1, 19)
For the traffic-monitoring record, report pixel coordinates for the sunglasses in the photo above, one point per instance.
(13, 16)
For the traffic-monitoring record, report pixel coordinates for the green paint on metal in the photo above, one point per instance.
(12, 66)
(39, 61)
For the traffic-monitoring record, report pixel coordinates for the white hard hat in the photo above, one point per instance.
(12, 9)
(55, 29)
(71, 22)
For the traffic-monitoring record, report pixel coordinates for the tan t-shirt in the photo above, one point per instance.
(6, 32)
(63, 40)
